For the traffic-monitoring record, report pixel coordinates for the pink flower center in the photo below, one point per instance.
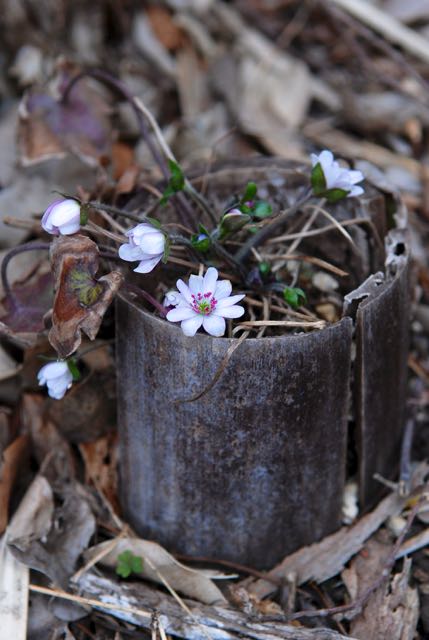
(204, 303)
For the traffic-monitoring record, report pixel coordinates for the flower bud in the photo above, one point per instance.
(146, 243)
(62, 217)
(57, 377)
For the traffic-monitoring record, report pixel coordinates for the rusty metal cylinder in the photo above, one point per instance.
(252, 469)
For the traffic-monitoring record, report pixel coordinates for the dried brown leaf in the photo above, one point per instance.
(190, 582)
(50, 128)
(80, 299)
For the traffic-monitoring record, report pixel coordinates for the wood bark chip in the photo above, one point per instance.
(219, 623)
(81, 300)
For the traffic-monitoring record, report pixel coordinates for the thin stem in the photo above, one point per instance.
(116, 211)
(105, 77)
(268, 230)
(147, 296)
(201, 201)
(29, 246)
(141, 114)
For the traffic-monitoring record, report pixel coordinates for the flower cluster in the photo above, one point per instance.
(205, 302)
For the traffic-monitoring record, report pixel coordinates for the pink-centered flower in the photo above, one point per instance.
(205, 302)
(146, 243)
(62, 217)
(57, 377)
(337, 177)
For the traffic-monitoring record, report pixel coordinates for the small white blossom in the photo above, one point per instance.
(57, 377)
(337, 177)
(62, 217)
(205, 302)
(146, 243)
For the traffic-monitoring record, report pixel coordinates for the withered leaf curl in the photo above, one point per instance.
(80, 300)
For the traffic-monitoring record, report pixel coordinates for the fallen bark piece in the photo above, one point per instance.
(13, 596)
(327, 558)
(215, 623)
(80, 299)
(158, 562)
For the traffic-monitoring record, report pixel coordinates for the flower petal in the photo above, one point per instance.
(148, 264)
(223, 289)
(356, 176)
(151, 243)
(191, 326)
(235, 311)
(184, 290)
(129, 253)
(181, 313)
(196, 284)
(227, 302)
(356, 191)
(214, 325)
(70, 228)
(210, 279)
(64, 212)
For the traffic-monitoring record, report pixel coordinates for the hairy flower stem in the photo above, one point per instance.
(116, 211)
(183, 209)
(270, 229)
(144, 294)
(29, 246)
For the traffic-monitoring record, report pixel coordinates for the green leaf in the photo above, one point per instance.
(74, 370)
(334, 195)
(176, 181)
(250, 192)
(318, 180)
(177, 177)
(127, 563)
(154, 222)
(264, 268)
(167, 247)
(262, 209)
(88, 291)
(201, 242)
(294, 296)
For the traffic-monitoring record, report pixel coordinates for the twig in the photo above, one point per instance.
(388, 26)
(146, 296)
(22, 248)
(268, 230)
(405, 464)
(219, 371)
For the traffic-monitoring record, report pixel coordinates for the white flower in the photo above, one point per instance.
(337, 177)
(62, 217)
(57, 377)
(145, 243)
(205, 302)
